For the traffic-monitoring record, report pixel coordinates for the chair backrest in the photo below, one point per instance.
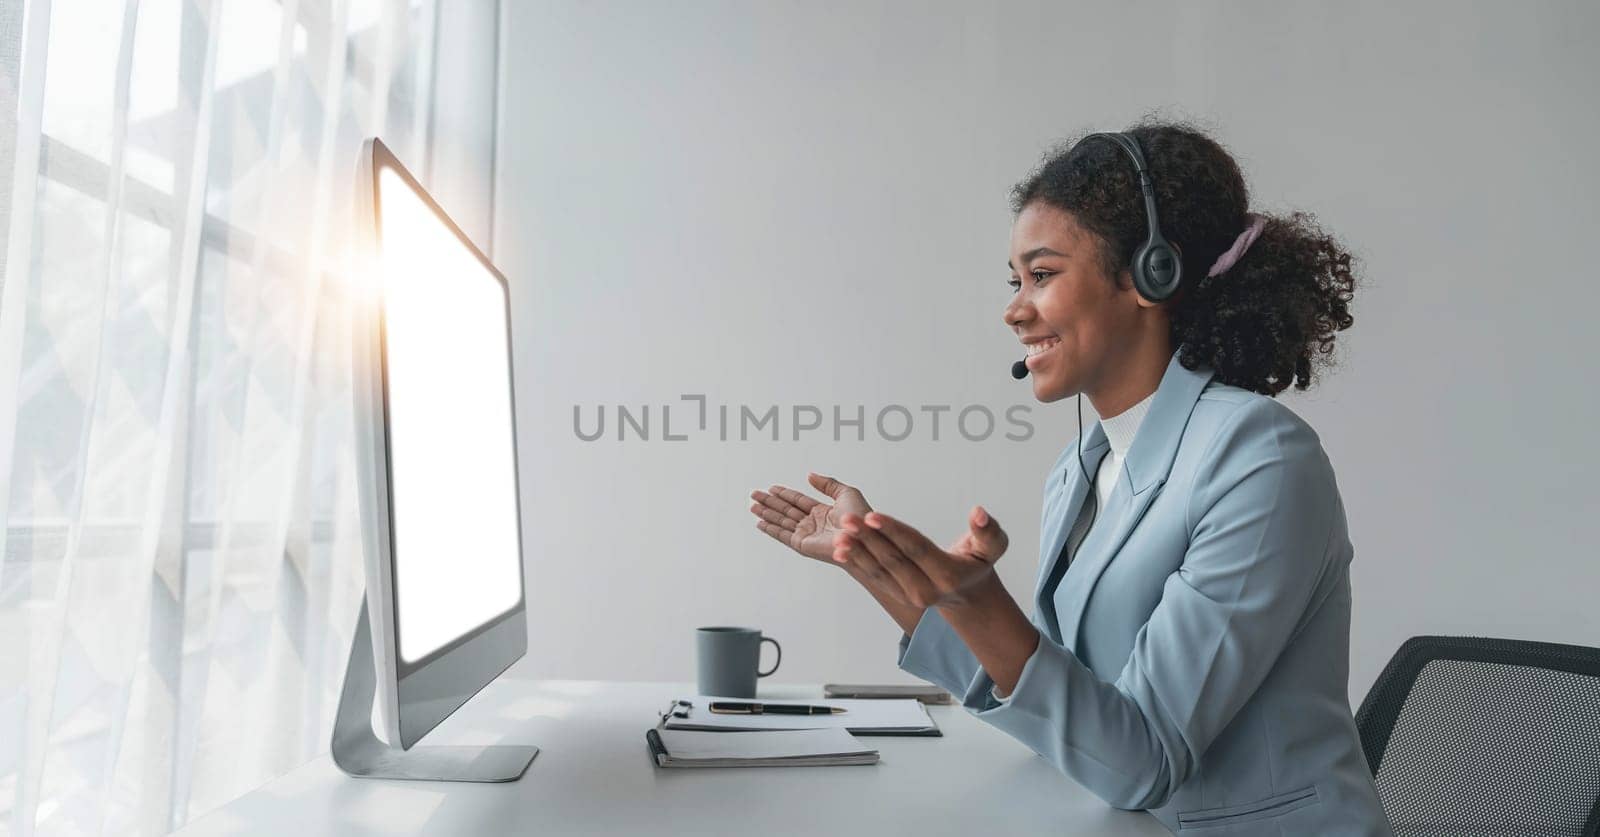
(1468, 735)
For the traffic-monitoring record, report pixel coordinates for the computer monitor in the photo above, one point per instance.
(437, 471)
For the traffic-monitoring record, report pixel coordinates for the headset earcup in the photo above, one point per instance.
(1157, 271)
(1141, 282)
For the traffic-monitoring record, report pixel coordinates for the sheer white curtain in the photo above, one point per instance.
(180, 569)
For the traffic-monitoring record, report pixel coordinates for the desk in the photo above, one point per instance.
(593, 776)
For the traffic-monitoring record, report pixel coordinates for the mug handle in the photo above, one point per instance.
(776, 647)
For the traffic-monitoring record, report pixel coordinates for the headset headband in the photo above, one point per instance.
(1157, 270)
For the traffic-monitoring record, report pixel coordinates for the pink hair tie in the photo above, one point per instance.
(1240, 244)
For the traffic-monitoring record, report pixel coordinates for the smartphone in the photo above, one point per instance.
(926, 694)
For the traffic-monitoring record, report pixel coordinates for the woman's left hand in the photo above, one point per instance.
(909, 567)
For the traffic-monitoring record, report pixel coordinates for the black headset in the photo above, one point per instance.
(1156, 268)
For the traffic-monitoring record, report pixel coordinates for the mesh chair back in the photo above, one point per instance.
(1471, 736)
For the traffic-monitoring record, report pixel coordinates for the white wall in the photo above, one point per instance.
(459, 169)
(798, 205)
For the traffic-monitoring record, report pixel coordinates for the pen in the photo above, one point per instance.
(729, 707)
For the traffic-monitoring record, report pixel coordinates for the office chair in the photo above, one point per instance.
(1468, 735)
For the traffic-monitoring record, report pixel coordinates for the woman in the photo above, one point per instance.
(1188, 651)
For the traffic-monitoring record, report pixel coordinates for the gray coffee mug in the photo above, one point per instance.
(730, 660)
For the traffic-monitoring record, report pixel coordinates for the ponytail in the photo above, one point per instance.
(1268, 322)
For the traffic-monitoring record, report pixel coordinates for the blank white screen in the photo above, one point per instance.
(451, 461)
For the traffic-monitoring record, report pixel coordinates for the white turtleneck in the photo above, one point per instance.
(1119, 430)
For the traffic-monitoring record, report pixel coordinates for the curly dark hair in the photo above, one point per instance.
(1268, 321)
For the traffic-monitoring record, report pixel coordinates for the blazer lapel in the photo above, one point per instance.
(1149, 461)
(1059, 516)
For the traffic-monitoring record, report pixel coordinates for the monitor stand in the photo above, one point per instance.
(359, 752)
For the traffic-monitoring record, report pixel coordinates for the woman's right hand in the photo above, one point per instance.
(805, 525)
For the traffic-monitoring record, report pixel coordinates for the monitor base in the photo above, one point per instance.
(359, 752)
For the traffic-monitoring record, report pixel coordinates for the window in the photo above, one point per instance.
(181, 565)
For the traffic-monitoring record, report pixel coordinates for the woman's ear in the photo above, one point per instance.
(1125, 282)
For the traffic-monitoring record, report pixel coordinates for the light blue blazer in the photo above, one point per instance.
(1194, 659)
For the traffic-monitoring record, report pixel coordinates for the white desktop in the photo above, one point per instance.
(436, 448)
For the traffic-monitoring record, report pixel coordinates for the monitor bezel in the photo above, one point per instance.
(414, 696)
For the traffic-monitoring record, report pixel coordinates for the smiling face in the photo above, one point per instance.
(1077, 324)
